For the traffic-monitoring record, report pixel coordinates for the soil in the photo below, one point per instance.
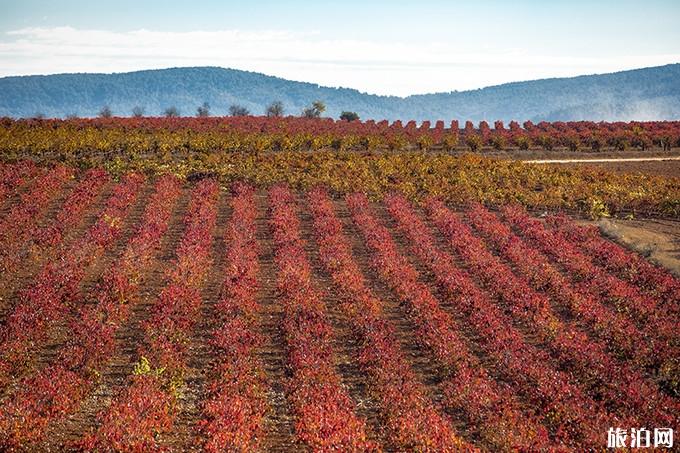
(345, 344)
(657, 239)
(667, 168)
(535, 154)
(660, 163)
(279, 421)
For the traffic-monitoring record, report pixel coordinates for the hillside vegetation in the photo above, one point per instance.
(642, 94)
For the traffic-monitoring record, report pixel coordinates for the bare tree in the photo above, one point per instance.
(203, 110)
(138, 111)
(105, 112)
(275, 109)
(171, 112)
(238, 110)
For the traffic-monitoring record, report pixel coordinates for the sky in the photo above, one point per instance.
(380, 47)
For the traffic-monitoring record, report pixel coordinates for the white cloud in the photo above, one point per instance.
(399, 68)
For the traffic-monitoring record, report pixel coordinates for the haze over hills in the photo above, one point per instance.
(641, 94)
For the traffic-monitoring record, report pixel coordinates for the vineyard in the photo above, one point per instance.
(128, 137)
(323, 302)
(375, 158)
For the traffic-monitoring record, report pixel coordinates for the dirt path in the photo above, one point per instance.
(668, 167)
(624, 159)
(656, 239)
(564, 153)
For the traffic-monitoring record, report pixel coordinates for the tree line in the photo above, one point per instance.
(275, 109)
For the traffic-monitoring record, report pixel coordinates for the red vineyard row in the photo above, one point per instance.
(541, 334)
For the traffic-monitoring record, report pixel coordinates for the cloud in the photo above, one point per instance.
(399, 68)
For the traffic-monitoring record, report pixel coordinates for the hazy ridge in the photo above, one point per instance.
(641, 94)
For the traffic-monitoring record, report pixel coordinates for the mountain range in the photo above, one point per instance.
(640, 94)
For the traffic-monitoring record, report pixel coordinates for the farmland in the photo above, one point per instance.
(130, 136)
(371, 157)
(253, 284)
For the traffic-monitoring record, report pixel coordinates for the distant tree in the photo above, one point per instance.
(639, 139)
(621, 143)
(138, 111)
(105, 112)
(39, 116)
(319, 106)
(275, 109)
(203, 110)
(171, 112)
(238, 110)
(72, 116)
(349, 116)
(665, 141)
(315, 110)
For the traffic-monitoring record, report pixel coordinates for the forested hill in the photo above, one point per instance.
(641, 94)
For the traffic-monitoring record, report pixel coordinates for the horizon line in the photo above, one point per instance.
(338, 87)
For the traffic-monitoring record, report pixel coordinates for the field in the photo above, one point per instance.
(150, 136)
(326, 300)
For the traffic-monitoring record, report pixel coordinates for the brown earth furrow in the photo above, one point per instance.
(185, 435)
(531, 338)
(115, 375)
(93, 275)
(468, 334)
(37, 257)
(279, 423)
(345, 347)
(420, 360)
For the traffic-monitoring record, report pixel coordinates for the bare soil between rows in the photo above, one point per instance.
(657, 239)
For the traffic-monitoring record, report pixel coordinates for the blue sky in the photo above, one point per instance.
(380, 47)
